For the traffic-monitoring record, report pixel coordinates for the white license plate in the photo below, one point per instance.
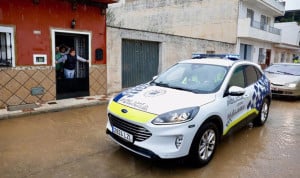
(125, 135)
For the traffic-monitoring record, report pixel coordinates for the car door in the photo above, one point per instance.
(237, 109)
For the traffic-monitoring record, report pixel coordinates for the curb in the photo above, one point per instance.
(55, 106)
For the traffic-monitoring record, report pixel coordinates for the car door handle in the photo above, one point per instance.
(246, 95)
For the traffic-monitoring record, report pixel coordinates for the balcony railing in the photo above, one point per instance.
(265, 27)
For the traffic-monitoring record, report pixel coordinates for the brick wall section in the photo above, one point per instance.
(16, 84)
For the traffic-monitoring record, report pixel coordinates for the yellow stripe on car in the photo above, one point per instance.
(131, 114)
(252, 111)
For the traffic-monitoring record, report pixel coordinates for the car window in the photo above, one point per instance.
(175, 75)
(251, 75)
(259, 74)
(199, 78)
(238, 78)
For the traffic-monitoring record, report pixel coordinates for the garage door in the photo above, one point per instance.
(139, 61)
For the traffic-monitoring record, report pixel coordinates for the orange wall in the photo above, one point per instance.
(27, 17)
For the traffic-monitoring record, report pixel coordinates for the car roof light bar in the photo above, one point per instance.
(222, 56)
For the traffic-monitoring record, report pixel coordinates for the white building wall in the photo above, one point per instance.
(207, 19)
(256, 37)
(290, 32)
(172, 49)
(255, 50)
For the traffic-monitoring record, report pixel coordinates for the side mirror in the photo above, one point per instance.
(236, 91)
(155, 77)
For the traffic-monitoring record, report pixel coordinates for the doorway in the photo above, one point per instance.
(79, 85)
(268, 57)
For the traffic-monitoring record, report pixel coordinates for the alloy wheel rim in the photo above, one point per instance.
(264, 112)
(207, 144)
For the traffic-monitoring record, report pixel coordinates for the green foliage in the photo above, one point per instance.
(290, 16)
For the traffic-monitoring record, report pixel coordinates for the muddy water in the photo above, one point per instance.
(73, 143)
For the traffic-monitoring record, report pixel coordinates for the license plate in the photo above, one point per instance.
(125, 135)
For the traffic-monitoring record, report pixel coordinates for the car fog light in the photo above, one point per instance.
(178, 141)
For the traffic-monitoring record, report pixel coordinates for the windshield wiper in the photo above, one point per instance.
(271, 72)
(161, 84)
(282, 72)
(179, 88)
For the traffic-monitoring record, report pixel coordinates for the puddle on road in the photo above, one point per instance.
(74, 143)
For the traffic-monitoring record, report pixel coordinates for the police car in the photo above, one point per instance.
(186, 110)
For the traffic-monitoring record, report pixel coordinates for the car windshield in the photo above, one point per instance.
(288, 69)
(197, 78)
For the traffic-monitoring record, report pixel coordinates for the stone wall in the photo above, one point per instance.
(16, 85)
(98, 80)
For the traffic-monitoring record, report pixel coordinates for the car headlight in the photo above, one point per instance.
(292, 85)
(176, 116)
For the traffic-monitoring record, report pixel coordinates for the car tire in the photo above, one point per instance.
(263, 113)
(204, 145)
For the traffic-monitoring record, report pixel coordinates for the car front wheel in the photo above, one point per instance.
(204, 144)
(263, 113)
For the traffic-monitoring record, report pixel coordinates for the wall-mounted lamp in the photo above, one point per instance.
(103, 11)
(73, 23)
(35, 1)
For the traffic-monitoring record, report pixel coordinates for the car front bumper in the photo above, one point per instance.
(162, 142)
(285, 91)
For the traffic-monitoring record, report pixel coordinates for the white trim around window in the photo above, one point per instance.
(53, 31)
(9, 52)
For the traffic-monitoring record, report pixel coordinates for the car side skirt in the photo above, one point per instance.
(242, 121)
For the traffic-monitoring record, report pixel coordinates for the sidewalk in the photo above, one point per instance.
(53, 106)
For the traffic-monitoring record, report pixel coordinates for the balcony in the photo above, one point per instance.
(258, 31)
(273, 7)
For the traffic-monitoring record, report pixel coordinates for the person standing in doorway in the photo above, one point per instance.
(60, 51)
(69, 61)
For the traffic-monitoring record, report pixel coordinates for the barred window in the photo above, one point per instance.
(6, 47)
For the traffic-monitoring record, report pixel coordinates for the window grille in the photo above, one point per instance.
(6, 49)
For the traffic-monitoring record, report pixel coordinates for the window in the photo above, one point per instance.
(261, 56)
(258, 73)
(238, 78)
(251, 75)
(250, 14)
(264, 22)
(246, 52)
(7, 55)
(282, 57)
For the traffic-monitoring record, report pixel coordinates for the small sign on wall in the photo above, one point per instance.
(39, 59)
(37, 91)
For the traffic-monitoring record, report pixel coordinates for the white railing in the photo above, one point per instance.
(265, 27)
(256, 30)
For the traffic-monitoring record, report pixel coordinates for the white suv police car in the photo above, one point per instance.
(187, 109)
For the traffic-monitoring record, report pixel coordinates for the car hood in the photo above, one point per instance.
(158, 100)
(279, 79)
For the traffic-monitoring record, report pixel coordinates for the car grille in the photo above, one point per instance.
(139, 133)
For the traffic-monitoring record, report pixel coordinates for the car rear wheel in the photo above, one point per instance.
(263, 113)
(204, 144)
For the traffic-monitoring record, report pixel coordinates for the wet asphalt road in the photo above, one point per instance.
(73, 143)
